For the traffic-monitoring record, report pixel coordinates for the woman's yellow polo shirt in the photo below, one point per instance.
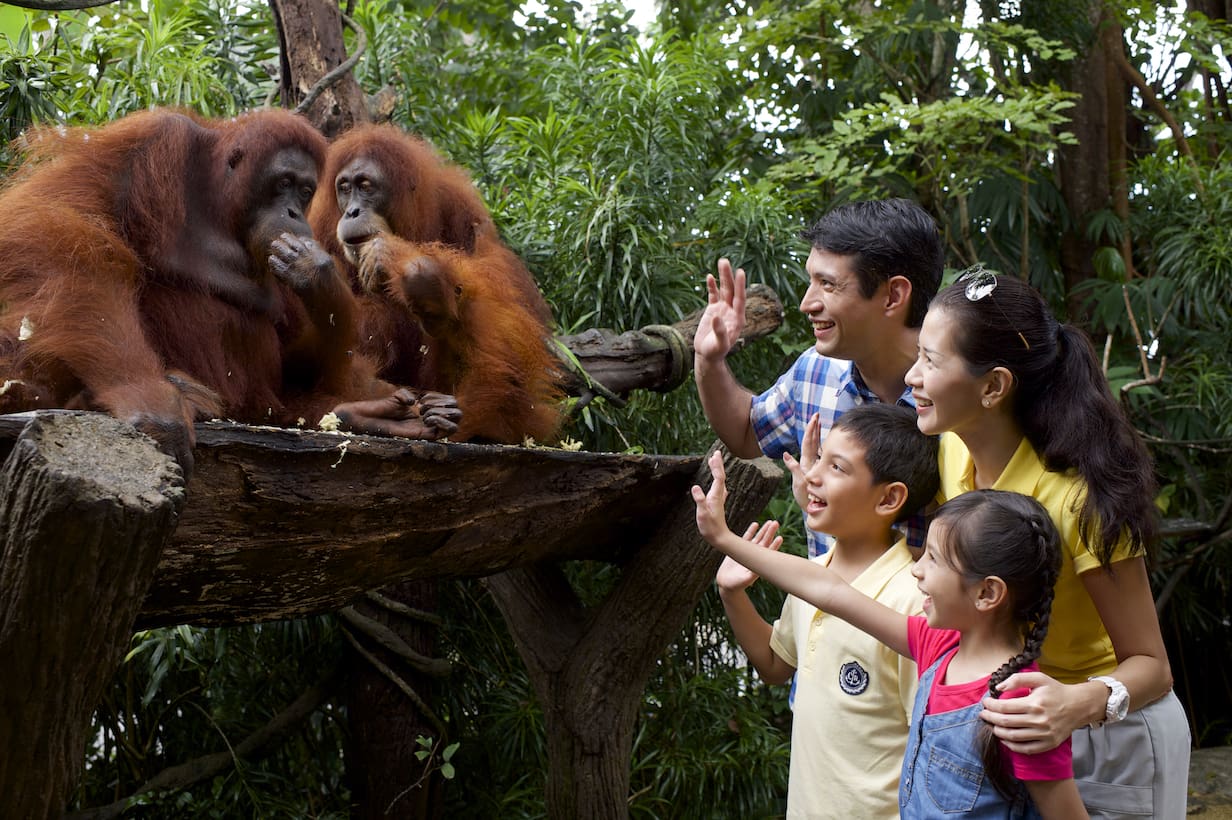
(1077, 645)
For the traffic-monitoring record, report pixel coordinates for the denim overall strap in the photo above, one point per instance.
(943, 775)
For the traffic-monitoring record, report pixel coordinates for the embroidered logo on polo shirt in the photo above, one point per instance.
(852, 678)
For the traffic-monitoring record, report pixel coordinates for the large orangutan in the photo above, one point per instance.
(445, 305)
(161, 268)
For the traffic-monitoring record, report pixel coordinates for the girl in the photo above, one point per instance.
(988, 569)
(1024, 406)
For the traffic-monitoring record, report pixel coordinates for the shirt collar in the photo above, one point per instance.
(853, 384)
(1022, 474)
(1024, 471)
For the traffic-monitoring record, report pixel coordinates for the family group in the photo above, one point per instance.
(973, 633)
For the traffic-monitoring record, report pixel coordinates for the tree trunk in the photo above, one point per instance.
(310, 46)
(1084, 168)
(387, 779)
(86, 506)
(589, 667)
(1112, 45)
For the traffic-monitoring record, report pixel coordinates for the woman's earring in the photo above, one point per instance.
(985, 402)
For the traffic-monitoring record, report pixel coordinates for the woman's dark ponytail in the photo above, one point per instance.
(1076, 424)
(1064, 405)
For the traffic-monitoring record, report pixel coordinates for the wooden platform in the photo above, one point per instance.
(284, 523)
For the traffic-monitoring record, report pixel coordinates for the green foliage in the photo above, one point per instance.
(973, 154)
(1181, 309)
(702, 753)
(427, 752)
(184, 693)
(1187, 241)
(97, 65)
(621, 167)
(28, 83)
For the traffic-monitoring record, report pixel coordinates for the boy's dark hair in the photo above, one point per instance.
(895, 450)
(885, 238)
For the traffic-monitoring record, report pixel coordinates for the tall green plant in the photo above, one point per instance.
(183, 693)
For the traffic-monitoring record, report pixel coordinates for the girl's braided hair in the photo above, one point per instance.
(1011, 536)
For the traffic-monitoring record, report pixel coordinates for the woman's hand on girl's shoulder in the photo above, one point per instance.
(1041, 720)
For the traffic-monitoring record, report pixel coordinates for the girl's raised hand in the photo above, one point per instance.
(711, 512)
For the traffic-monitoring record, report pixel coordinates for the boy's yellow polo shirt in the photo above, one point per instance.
(853, 700)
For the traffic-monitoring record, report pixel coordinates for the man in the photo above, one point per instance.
(873, 268)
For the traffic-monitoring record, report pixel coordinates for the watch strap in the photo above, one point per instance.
(1117, 704)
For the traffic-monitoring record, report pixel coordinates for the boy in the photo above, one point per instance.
(853, 695)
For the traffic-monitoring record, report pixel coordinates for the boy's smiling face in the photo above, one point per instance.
(842, 496)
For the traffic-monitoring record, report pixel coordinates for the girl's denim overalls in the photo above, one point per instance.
(943, 775)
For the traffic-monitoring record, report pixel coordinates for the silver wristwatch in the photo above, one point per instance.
(1118, 700)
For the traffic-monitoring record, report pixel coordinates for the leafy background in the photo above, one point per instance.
(621, 164)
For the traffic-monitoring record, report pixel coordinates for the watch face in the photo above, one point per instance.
(1118, 701)
(1118, 698)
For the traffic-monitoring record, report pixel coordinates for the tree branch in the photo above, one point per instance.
(1147, 376)
(399, 608)
(193, 771)
(58, 5)
(1148, 96)
(389, 639)
(397, 681)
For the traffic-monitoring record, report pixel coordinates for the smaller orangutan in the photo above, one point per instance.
(444, 304)
(161, 268)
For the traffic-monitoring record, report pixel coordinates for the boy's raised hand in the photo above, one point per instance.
(734, 576)
(809, 449)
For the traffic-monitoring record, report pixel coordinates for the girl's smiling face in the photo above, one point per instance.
(948, 594)
(947, 396)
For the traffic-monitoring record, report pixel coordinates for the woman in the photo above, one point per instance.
(1024, 406)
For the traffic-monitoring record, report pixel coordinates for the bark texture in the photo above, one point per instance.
(286, 523)
(1085, 168)
(310, 46)
(86, 505)
(589, 665)
(387, 780)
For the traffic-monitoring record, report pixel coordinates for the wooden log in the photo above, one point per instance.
(86, 505)
(286, 523)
